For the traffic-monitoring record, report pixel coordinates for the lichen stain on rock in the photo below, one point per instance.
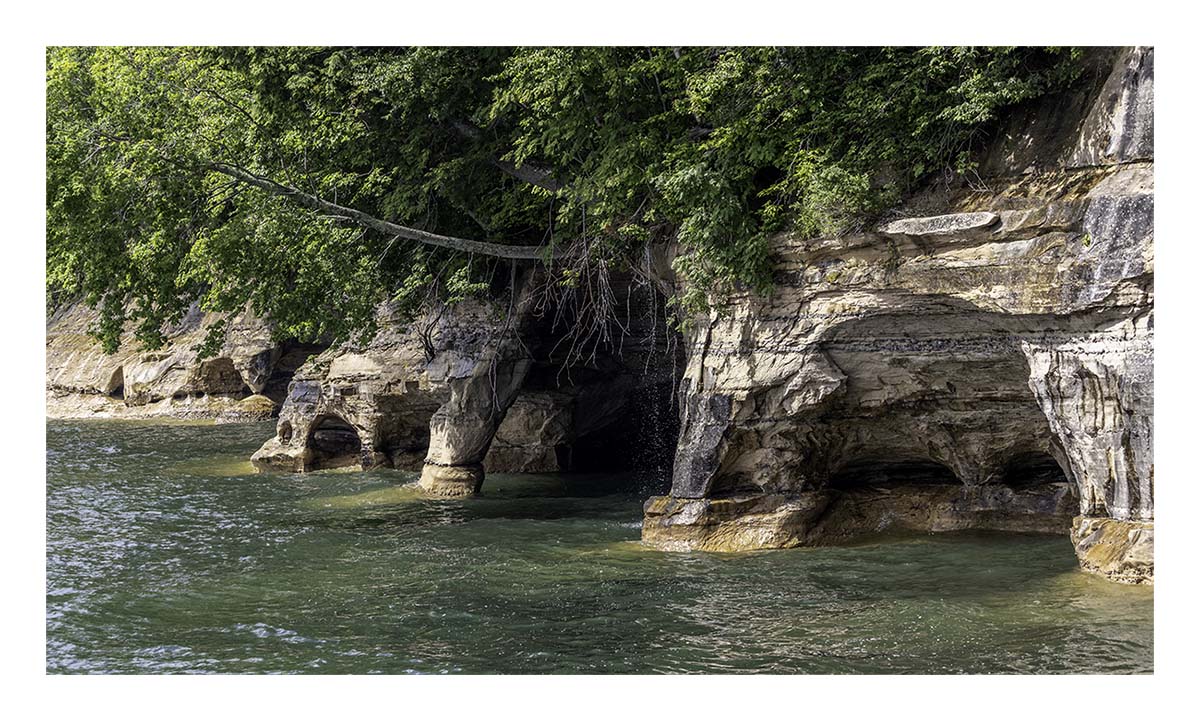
(1121, 551)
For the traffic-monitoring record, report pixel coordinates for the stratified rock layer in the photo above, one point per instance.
(816, 518)
(462, 389)
(1002, 343)
(243, 382)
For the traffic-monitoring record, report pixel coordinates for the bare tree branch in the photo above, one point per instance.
(528, 172)
(312, 202)
(532, 174)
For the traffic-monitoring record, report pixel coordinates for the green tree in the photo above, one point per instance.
(315, 183)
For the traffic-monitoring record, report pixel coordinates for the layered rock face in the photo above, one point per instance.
(245, 381)
(983, 363)
(469, 387)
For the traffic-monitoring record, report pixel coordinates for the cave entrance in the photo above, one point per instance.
(1031, 469)
(867, 472)
(637, 446)
(115, 388)
(292, 355)
(333, 443)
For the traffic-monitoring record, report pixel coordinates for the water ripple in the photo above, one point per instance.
(166, 555)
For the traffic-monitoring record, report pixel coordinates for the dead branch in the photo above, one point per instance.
(312, 202)
(527, 172)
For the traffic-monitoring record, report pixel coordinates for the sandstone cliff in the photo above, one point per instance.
(999, 344)
(458, 389)
(244, 381)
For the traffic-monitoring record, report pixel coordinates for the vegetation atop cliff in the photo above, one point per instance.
(314, 183)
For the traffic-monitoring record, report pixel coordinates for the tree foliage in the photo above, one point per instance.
(595, 151)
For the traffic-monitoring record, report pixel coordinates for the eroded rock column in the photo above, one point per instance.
(461, 431)
(1098, 395)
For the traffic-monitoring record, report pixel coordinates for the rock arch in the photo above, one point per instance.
(462, 430)
(332, 442)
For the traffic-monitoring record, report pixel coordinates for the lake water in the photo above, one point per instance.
(166, 553)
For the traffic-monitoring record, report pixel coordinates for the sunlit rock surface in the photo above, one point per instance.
(1118, 550)
(236, 384)
(999, 339)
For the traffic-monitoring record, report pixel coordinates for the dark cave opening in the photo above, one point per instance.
(292, 355)
(116, 385)
(865, 472)
(638, 446)
(1031, 469)
(918, 494)
(219, 377)
(333, 443)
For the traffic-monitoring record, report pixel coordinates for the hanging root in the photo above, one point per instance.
(586, 316)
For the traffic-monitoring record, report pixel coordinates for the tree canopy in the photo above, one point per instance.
(315, 183)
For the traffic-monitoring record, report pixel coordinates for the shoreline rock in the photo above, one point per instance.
(82, 381)
(822, 518)
(1121, 551)
(1001, 337)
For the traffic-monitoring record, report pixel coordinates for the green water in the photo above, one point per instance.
(166, 554)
